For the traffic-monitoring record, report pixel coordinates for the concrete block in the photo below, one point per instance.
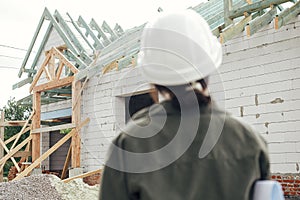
(292, 157)
(292, 137)
(262, 40)
(239, 46)
(275, 137)
(282, 147)
(283, 168)
(296, 83)
(277, 158)
(75, 172)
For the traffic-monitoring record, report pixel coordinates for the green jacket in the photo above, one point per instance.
(228, 172)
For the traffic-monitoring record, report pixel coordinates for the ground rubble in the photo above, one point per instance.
(45, 187)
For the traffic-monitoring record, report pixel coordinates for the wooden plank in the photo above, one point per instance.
(15, 136)
(75, 143)
(59, 70)
(53, 128)
(254, 7)
(23, 129)
(16, 149)
(260, 22)
(232, 31)
(227, 9)
(14, 123)
(79, 94)
(32, 43)
(36, 123)
(47, 73)
(22, 154)
(12, 159)
(54, 84)
(109, 67)
(63, 59)
(51, 150)
(25, 159)
(22, 83)
(39, 73)
(38, 160)
(67, 163)
(83, 175)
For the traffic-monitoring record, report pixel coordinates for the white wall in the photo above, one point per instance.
(261, 76)
(103, 102)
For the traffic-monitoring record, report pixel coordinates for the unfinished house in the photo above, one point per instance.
(82, 70)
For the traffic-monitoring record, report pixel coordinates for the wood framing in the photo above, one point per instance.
(15, 150)
(36, 123)
(75, 143)
(53, 128)
(232, 31)
(83, 175)
(54, 84)
(53, 72)
(66, 164)
(51, 150)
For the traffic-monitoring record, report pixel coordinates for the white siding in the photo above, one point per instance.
(261, 78)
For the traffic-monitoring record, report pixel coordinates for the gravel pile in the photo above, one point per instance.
(47, 187)
(36, 187)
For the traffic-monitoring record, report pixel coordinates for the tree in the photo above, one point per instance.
(14, 111)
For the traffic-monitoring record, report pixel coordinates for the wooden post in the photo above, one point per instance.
(75, 143)
(36, 123)
(227, 9)
(2, 138)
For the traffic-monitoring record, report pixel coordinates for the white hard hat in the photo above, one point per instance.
(178, 48)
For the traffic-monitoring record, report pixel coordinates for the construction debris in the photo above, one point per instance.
(45, 187)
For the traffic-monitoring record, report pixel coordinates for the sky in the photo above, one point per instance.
(19, 19)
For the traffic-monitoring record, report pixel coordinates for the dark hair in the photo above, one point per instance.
(185, 92)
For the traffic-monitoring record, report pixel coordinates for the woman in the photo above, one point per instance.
(184, 147)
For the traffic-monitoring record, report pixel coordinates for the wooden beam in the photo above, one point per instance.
(232, 31)
(78, 98)
(14, 123)
(22, 154)
(260, 22)
(25, 159)
(63, 59)
(36, 123)
(53, 128)
(15, 150)
(15, 136)
(37, 161)
(59, 70)
(51, 150)
(67, 163)
(110, 66)
(54, 84)
(22, 130)
(75, 143)
(254, 7)
(32, 42)
(39, 73)
(227, 9)
(83, 175)
(285, 16)
(22, 83)
(12, 159)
